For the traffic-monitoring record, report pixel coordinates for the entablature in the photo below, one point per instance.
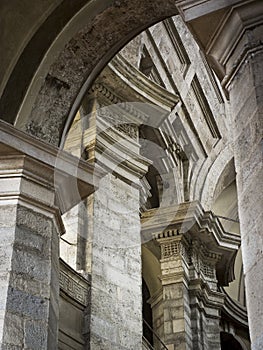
(202, 230)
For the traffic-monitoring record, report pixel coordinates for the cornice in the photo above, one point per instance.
(229, 46)
(192, 9)
(234, 309)
(133, 110)
(117, 153)
(189, 219)
(140, 84)
(209, 298)
(71, 178)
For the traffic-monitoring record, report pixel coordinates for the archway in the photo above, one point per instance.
(79, 57)
(78, 49)
(52, 102)
(229, 342)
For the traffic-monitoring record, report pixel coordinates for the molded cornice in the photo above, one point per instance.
(234, 309)
(231, 43)
(226, 31)
(140, 86)
(72, 178)
(190, 220)
(192, 9)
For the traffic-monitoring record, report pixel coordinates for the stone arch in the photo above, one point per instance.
(84, 55)
(223, 162)
(231, 342)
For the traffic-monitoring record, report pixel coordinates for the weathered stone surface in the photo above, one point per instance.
(29, 281)
(245, 96)
(116, 280)
(29, 255)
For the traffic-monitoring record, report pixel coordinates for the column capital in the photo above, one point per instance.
(63, 179)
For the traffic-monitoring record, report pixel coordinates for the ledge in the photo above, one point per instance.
(131, 85)
(191, 220)
(72, 178)
(234, 309)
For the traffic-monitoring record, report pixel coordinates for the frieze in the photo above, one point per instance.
(74, 285)
(113, 99)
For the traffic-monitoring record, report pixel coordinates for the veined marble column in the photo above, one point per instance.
(32, 198)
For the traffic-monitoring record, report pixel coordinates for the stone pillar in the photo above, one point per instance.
(29, 255)
(114, 237)
(196, 255)
(191, 302)
(29, 246)
(116, 320)
(238, 49)
(205, 300)
(156, 302)
(176, 301)
(246, 98)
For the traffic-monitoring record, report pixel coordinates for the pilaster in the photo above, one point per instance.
(176, 300)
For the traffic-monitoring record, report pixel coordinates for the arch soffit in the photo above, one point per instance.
(214, 175)
(106, 28)
(66, 79)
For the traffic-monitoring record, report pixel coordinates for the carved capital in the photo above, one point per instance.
(172, 245)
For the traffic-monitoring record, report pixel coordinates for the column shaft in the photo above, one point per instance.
(29, 254)
(116, 320)
(246, 97)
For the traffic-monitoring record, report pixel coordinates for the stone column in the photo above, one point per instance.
(239, 49)
(196, 255)
(114, 237)
(30, 203)
(205, 299)
(237, 52)
(29, 230)
(246, 98)
(176, 300)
